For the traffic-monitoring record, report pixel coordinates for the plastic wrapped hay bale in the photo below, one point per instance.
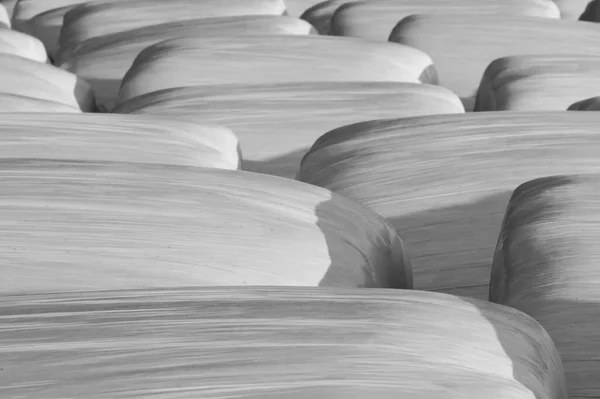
(545, 266)
(22, 45)
(275, 342)
(271, 59)
(9, 5)
(375, 19)
(103, 61)
(25, 10)
(105, 17)
(29, 78)
(277, 123)
(463, 46)
(47, 26)
(19, 103)
(538, 82)
(111, 225)
(592, 12)
(319, 15)
(138, 39)
(571, 9)
(444, 181)
(4, 17)
(296, 8)
(118, 138)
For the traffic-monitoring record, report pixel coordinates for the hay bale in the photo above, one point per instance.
(444, 181)
(73, 226)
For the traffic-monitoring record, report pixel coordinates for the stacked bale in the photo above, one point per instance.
(538, 82)
(24, 77)
(22, 45)
(107, 17)
(462, 46)
(42, 18)
(319, 15)
(25, 10)
(9, 5)
(4, 17)
(104, 60)
(545, 265)
(277, 123)
(275, 343)
(296, 8)
(122, 134)
(72, 226)
(376, 19)
(271, 59)
(444, 181)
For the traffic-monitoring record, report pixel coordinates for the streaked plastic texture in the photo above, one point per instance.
(277, 123)
(444, 181)
(269, 342)
(271, 59)
(546, 264)
(73, 226)
(125, 138)
(463, 46)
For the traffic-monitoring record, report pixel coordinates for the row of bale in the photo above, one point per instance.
(291, 199)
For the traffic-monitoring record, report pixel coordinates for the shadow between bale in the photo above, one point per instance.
(588, 104)
(319, 15)
(465, 233)
(106, 92)
(286, 165)
(356, 236)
